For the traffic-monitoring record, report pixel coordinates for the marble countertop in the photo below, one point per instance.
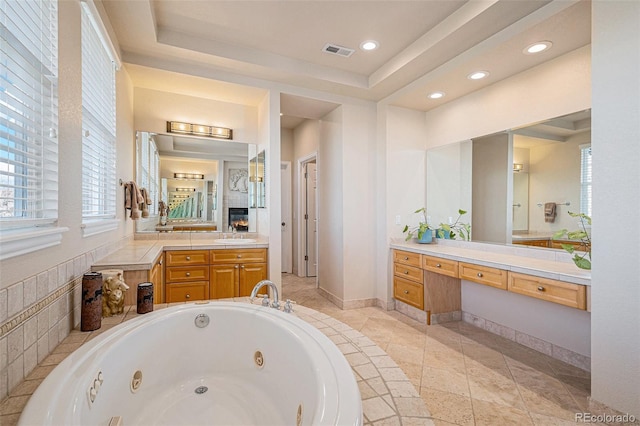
(543, 263)
(142, 254)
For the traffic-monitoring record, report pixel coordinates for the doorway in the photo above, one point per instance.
(308, 213)
(287, 234)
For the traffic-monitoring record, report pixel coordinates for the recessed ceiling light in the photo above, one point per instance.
(435, 95)
(369, 45)
(537, 47)
(478, 75)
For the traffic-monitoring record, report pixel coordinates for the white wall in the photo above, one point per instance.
(530, 316)
(558, 87)
(615, 349)
(358, 200)
(554, 176)
(153, 108)
(330, 205)
(42, 288)
(491, 219)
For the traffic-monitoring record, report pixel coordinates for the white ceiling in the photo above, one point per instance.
(425, 45)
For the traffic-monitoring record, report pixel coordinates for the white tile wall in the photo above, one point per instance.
(38, 313)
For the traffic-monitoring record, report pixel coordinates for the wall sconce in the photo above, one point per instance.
(517, 167)
(199, 130)
(185, 189)
(188, 176)
(179, 196)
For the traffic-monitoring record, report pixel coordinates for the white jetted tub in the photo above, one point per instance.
(216, 363)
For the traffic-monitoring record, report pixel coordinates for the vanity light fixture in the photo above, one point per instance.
(478, 75)
(199, 130)
(188, 176)
(537, 47)
(179, 196)
(185, 189)
(369, 45)
(435, 95)
(517, 167)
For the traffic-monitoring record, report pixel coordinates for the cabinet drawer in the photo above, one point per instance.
(187, 257)
(239, 256)
(484, 275)
(408, 292)
(536, 243)
(186, 273)
(185, 292)
(406, 258)
(568, 294)
(408, 272)
(440, 266)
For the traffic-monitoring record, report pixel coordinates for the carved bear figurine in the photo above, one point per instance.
(113, 289)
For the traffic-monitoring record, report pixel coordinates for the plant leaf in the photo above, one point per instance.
(406, 228)
(568, 247)
(559, 234)
(461, 212)
(581, 262)
(420, 210)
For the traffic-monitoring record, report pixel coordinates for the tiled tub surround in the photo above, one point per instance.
(38, 313)
(388, 396)
(533, 323)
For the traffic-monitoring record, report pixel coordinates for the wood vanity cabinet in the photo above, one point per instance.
(440, 266)
(234, 272)
(568, 294)
(156, 277)
(493, 277)
(186, 275)
(408, 278)
(543, 242)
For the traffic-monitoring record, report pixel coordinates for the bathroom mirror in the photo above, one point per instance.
(257, 195)
(506, 179)
(203, 182)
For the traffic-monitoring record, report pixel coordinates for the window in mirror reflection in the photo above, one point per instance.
(148, 167)
(585, 179)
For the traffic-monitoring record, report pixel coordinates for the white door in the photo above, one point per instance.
(287, 234)
(311, 220)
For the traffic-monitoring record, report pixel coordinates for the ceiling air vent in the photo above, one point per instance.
(337, 50)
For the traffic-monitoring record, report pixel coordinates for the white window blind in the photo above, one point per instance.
(28, 113)
(585, 179)
(98, 124)
(149, 168)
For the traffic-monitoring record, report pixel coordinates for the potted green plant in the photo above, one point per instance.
(584, 250)
(423, 231)
(450, 231)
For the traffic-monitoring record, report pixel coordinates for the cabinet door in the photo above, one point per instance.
(156, 279)
(224, 281)
(186, 292)
(250, 275)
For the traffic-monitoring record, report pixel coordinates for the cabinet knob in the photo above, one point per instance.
(188, 296)
(239, 256)
(188, 274)
(479, 274)
(406, 258)
(242, 267)
(236, 266)
(540, 288)
(438, 265)
(406, 272)
(188, 257)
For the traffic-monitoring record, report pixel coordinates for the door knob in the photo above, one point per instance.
(283, 223)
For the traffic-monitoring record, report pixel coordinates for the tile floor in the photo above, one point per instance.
(465, 375)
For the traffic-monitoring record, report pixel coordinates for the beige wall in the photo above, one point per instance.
(40, 291)
(615, 348)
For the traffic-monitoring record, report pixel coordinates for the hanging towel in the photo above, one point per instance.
(133, 199)
(145, 203)
(550, 212)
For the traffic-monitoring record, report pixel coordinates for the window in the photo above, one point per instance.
(28, 113)
(148, 167)
(585, 179)
(98, 123)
